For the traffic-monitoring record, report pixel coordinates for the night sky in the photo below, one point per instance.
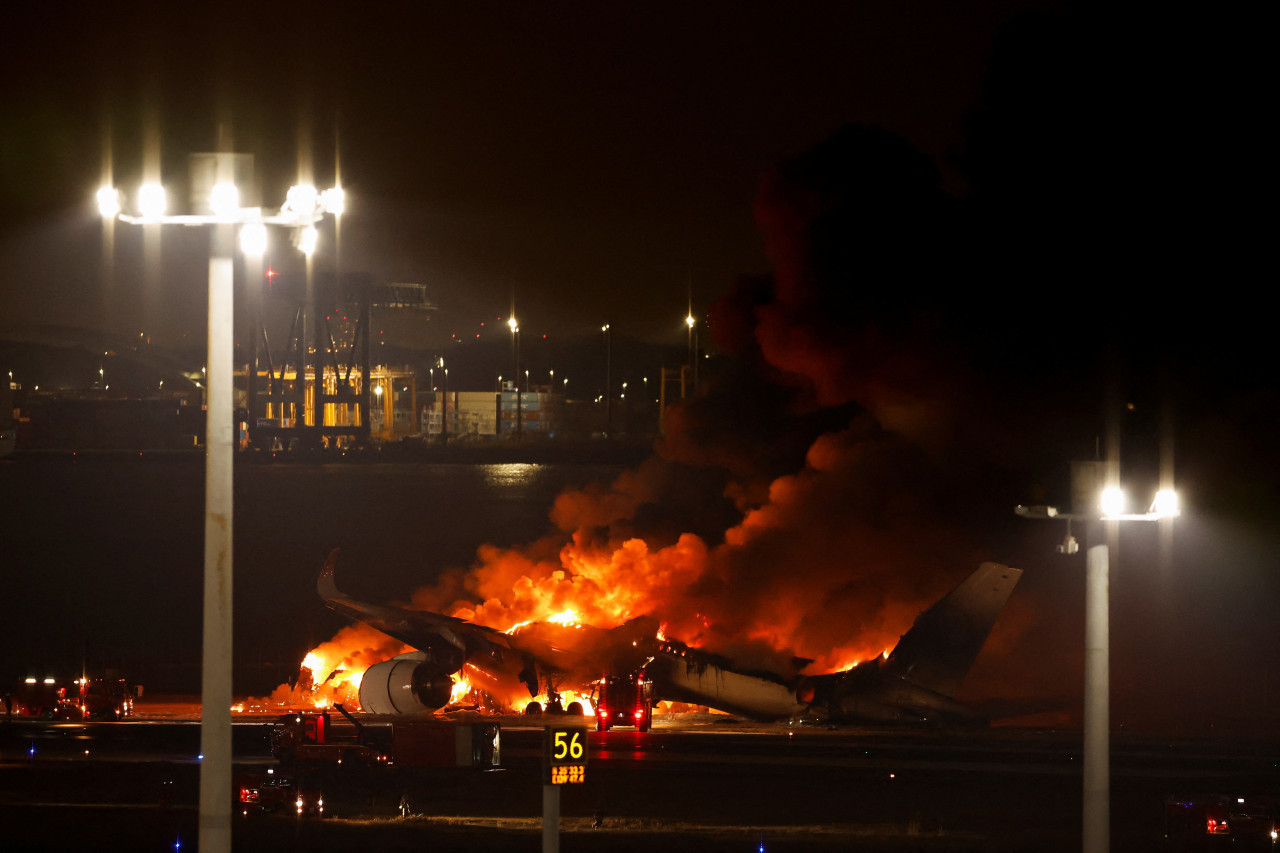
(966, 239)
(597, 161)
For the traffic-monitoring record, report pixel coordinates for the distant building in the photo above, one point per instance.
(493, 414)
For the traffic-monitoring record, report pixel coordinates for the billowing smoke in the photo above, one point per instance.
(809, 502)
(801, 505)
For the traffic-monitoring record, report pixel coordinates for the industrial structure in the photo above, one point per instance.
(321, 388)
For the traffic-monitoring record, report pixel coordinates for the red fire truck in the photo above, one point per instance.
(48, 698)
(623, 700)
(271, 792)
(108, 698)
(1206, 822)
(314, 737)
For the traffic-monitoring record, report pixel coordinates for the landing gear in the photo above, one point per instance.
(533, 709)
(575, 709)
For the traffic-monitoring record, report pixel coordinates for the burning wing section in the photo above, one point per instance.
(420, 681)
(915, 683)
(500, 664)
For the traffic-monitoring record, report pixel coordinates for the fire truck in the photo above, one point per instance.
(314, 737)
(1207, 822)
(623, 700)
(262, 793)
(104, 698)
(107, 698)
(45, 698)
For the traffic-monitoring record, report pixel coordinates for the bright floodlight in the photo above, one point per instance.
(151, 201)
(1112, 503)
(513, 325)
(335, 200)
(109, 202)
(307, 239)
(302, 199)
(689, 321)
(253, 239)
(1166, 504)
(224, 199)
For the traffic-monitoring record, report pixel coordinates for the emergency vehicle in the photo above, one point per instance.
(623, 700)
(1207, 822)
(315, 737)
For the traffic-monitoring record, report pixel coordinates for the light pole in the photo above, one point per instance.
(515, 366)
(1098, 504)
(608, 381)
(215, 192)
(693, 348)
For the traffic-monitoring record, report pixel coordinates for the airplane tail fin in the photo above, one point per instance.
(939, 650)
(326, 585)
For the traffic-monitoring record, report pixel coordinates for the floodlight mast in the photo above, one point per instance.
(1110, 507)
(303, 208)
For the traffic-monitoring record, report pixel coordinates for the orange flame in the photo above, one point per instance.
(752, 597)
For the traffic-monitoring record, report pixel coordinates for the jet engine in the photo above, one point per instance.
(412, 683)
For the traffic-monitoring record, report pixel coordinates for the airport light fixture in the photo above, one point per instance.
(1110, 508)
(221, 208)
(608, 381)
(693, 347)
(514, 325)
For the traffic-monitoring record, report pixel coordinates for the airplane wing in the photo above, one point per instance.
(422, 629)
(557, 654)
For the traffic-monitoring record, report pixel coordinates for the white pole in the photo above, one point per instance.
(1097, 732)
(215, 728)
(550, 819)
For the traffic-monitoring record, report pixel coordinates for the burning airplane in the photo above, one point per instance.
(914, 682)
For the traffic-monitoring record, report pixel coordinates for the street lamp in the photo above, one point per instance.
(444, 404)
(693, 348)
(608, 380)
(218, 201)
(1111, 507)
(515, 366)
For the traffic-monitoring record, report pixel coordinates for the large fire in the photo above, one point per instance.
(830, 563)
(588, 586)
(779, 587)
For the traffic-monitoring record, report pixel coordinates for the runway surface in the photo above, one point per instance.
(701, 783)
